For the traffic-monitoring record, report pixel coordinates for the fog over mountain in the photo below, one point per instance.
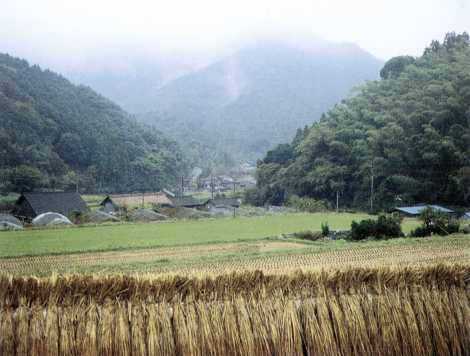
(257, 97)
(228, 79)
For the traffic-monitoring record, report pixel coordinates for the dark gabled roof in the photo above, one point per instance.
(56, 202)
(225, 202)
(188, 202)
(106, 200)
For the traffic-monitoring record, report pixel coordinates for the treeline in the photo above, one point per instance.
(402, 139)
(56, 135)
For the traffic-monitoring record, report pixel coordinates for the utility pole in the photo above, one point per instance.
(337, 201)
(182, 186)
(212, 187)
(372, 186)
(143, 199)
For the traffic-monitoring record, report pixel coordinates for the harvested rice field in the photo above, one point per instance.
(255, 296)
(270, 256)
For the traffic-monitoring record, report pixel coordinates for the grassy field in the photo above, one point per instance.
(178, 233)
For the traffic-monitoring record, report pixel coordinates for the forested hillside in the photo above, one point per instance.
(56, 135)
(238, 108)
(405, 137)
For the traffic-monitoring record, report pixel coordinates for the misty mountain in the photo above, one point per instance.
(129, 79)
(54, 135)
(244, 104)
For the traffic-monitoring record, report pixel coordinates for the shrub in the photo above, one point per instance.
(435, 222)
(362, 230)
(307, 204)
(325, 229)
(383, 227)
(453, 226)
(420, 231)
(388, 226)
(308, 235)
(466, 229)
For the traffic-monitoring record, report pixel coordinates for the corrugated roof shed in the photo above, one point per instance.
(416, 210)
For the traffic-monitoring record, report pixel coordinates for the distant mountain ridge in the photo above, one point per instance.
(244, 104)
(55, 135)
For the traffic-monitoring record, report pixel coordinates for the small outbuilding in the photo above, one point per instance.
(114, 202)
(188, 202)
(223, 206)
(108, 205)
(225, 203)
(30, 205)
(415, 211)
(466, 216)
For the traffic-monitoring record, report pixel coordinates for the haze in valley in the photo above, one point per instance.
(226, 80)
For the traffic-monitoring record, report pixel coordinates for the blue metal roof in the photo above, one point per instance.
(466, 215)
(416, 210)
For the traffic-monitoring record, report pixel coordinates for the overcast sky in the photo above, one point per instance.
(58, 32)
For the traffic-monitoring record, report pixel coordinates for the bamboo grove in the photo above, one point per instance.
(422, 311)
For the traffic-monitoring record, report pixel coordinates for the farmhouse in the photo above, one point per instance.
(114, 202)
(414, 211)
(30, 205)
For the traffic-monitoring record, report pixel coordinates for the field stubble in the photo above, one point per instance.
(272, 256)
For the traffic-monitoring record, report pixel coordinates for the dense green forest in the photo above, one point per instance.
(239, 107)
(55, 135)
(402, 139)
